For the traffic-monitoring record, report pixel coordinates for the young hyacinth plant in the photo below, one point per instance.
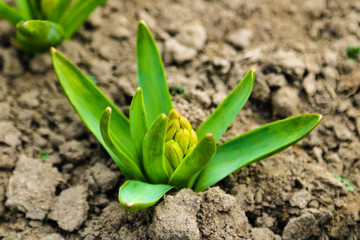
(156, 148)
(41, 24)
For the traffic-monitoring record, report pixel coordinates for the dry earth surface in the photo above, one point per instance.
(57, 182)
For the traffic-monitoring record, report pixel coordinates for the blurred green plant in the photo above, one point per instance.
(41, 24)
(353, 53)
(346, 182)
(177, 90)
(156, 152)
(44, 155)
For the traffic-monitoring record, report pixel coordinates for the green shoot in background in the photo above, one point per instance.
(353, 53)
(345, 182)
(156, 148)
(41, 24)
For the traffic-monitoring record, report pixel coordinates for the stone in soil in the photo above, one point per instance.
(192, 35)
(9, 134)
(70, 208)
(220, 217)
(240, 38)
(104, 177)
(300, 199)
(302, 228)
(263, 234)
(74, 151)
(32, 186)
(175, 218)
(285, 102)
(177, 52)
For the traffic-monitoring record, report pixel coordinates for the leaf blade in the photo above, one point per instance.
(129, 165)
(137, 195)
(225, 113)
(77, 13)
(89, 102)
(138, 122)
(190, 167)
(154, 149)
(250, 147)
(151, 74)
(24, 8)
(53, 10)
(10, 14)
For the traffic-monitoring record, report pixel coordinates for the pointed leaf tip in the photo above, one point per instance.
(225, 113)
(151, 74)
(254, 146)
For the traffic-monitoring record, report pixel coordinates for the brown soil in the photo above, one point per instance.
(299, 51)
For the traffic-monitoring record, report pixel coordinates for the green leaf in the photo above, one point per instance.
(254, 146)
(24, 8)
(77, 13)
(29, 9)
(136, 195)
(10, 14)
(54, 9)
(154, 149)
(190, 167)
(38, 35)
(89, 102)
(225, 113)
(129, 165)
(138, 122)
(151, 75)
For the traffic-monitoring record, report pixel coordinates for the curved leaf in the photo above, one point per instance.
(154, 149)
(24, 8)
(151, 75)
(136, 195)
(10, 14)
(225, 113)
(89, 102)
(128, 165)
(77, 13)
(138, 122)
(190, 167)
(254, 146)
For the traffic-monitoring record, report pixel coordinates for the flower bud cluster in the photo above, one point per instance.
(180, 140)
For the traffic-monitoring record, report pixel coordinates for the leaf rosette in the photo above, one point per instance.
(156, 148)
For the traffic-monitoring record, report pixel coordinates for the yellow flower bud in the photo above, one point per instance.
(173, 153)
(180, 140)
(193, 139)
(183, 137)
(184, 123)
(172, 127)
(174, 114)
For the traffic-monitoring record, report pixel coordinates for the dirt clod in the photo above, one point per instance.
(302, 228)
(71, 200)
(175, 218)
(220, 216)
(74, 151)
(31, 188)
